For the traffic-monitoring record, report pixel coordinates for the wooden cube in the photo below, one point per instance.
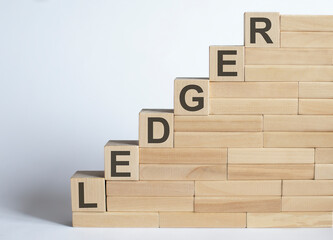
(121, 160)
(262, 29)
(226, 63)
(88, 191)
(324, 171)
(307, 188)
(191, 96)
(156, 128)
(324, 155)
(316, 106)
(319, 90)
(307, 204)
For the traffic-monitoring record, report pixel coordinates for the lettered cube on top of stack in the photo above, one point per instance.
(250, 146)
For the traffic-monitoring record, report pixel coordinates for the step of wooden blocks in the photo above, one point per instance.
(88, 191)
(250, 146)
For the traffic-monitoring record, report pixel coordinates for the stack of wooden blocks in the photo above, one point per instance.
(252, 146)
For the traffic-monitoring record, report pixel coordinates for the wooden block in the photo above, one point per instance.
(150, 188)
(307, 188)
(307, 204)
(184, 155)
(219, 123)
(121, 160)
(88, 191)
(226, 63)
(324, 171)
(149, 204)
(182, 172)
(316, 90)
(298, 139)
(116, 219)
(238, 188)
(324, 155)
(218, 139)
(156, 128)
(270, 155)
(262, 29)
(316, 106)
(307, 39)
(253, 90)
(290, 220)
(298, 123)
(253, 106)
(202, 220)
(289, 73)
(270, 171)
(191, 96)
(287, 56)
(307, 23)
(238, 204)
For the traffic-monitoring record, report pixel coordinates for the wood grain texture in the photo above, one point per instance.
(149, 204)
(273, 32)
(253, 90)
(157, 129)
(307, 23)
(316, 90)
(253, 106)
(238, 204)
(324, 155)
(298, 123)
(298, 139)
(218, 139)
(191, 96)
(182, 172)
(290, 220)
(116, 219)
(324, 171)
(93, 191)
(184, 155)
(286, 56)
(289, 73)
(202, 220)
(150, 188)
(237, 66)
(307, 39)
(238, 188)
(316, 106)
(307, 204)
(270, 171)
(270, 155)
(219, 123)
(307, 188)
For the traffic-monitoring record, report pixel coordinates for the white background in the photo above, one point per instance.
(74, 74)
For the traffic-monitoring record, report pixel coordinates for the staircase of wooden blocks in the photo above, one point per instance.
(252, 146)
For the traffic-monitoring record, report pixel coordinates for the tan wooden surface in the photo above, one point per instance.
(202, 220)
(180, 84)
(182, 172)
(219, 123)
(316, 106)
(307, 204)
(253, 90)
(324, 171)
(307, 188)
(150, 204)
(238, 204)
(184, 155)
(324, 155)
(307, 23)
(238, 188)
(290, 220)
(319, 90)
(218, 139)
(307, 39)
(270, 171)
(270, 155)
(289, 73)
(298, 139)
(132, 159)
(298, 123)
(150, 188)
(116, 219)
(94, 190)
(253, 106)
